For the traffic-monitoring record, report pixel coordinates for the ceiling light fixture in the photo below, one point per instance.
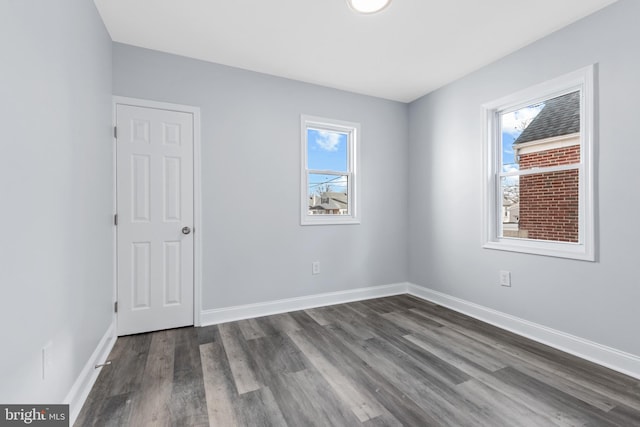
(368, 6)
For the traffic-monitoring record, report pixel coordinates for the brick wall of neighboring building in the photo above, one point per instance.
(549, 202)
(556, 157)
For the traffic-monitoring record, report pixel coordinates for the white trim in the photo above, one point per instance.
(540, 247)
(626, 363)
(114, 195)
(87, 378)
(197, 218)
(138, 102)
(353, 173)
(545, 144)
(249, 311)
(540, 92)
(197, 192)
(541, 170)
(583, 80)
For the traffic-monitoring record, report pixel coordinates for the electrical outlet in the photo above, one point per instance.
(505, 278)
(315, 267)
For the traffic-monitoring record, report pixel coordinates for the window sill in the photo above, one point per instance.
(330, 221)
(552, 249)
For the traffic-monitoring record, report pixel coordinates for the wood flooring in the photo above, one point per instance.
(382, 362)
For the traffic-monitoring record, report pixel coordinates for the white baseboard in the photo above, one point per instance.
(626, 363)
(83, 384)
(612, 358)
(248, 311)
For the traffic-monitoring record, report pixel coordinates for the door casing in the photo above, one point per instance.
(197, 196)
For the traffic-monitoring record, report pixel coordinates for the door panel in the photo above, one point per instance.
(155, 201)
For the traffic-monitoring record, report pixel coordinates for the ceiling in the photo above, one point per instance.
(411, 48)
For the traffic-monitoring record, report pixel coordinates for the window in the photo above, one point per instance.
(538, 174)
(329, 171)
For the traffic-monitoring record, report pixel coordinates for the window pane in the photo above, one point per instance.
(542, 135)
(539, 193)
(541, 206)
(327, 150)
(328, 194)
(512, 126)
(510, 190)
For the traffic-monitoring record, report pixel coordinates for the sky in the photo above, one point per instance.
(513, 124)
(327, 150)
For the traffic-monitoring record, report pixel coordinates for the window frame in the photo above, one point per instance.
(352, 130)
(584, 249)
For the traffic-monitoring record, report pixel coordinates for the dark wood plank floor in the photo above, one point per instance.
(382, 362)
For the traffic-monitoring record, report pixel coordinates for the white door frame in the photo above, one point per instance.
(197, 195)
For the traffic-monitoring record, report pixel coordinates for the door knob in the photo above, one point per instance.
(186, 230)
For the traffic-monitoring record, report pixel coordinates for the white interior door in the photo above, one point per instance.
(155, 244)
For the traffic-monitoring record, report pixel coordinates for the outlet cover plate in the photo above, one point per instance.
(505, 278)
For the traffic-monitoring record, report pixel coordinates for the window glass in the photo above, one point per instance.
(328, 194)
(543, 135)
(326, 150)
(539, 145)
(329, 171)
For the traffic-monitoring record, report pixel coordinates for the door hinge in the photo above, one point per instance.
(115, 132)
(115, 219)
(115, 307)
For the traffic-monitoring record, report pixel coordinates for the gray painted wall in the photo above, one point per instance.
(597, 301)
(254, 249)
(55, 170)
(56, 248)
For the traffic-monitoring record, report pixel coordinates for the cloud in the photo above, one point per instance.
(510, 181)
(341, 182)
(328, 141)
(510, 168)
(512, 123)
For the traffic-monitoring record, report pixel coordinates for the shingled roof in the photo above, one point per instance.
(559, 116)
